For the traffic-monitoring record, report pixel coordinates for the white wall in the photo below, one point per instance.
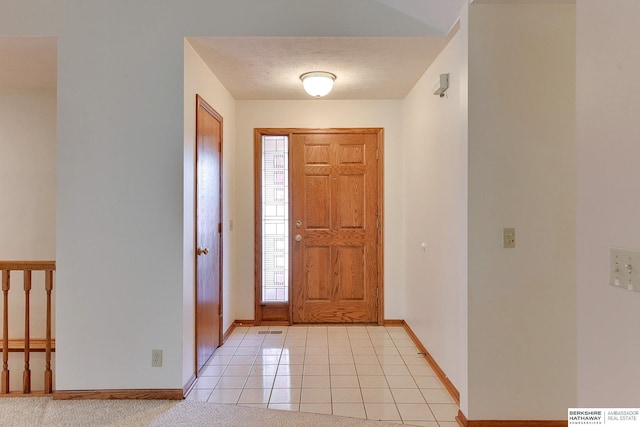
(521, 314)
(28, 216)
(320, 114)
(608, 101)
(30, 18)
(120, 197)
(435, 205)
(120, 231)
(28, 174)
(28, 188)
(198, 79)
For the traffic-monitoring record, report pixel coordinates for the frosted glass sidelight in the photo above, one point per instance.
(275, 218)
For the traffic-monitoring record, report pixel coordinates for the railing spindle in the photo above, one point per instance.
(4, 388)
(26, 376)
(48, 376)
(27, 345)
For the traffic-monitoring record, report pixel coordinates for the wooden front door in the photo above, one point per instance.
(336, 204)
(208, 232)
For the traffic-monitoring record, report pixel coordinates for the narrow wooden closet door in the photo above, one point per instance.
(208, 232)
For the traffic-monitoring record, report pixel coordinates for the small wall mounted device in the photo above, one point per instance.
(442, 86)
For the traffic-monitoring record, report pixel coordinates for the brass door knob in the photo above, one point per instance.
(203, 251)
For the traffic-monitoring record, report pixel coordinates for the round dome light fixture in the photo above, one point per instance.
(318, 83)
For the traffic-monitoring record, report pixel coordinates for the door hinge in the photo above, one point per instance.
(377, 292)
(377, 222)
(377, 154)
(219, 227)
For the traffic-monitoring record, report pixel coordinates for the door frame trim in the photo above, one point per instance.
(200, 102)
(277, 308)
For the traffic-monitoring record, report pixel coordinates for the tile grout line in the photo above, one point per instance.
(380, 353)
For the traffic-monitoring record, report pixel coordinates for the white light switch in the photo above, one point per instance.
(624, 269)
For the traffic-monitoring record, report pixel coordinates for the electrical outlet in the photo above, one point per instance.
(156, 358)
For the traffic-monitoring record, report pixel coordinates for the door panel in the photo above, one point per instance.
(317, 212)
(208, 232)
(351, 273)
(334, 192)
(352, 201)
(318, 277)
(316, 154)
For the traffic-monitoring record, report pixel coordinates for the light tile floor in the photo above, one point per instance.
(371, 372)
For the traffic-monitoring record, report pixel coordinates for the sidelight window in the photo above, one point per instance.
(275, 218)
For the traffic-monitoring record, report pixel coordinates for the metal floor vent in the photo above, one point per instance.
(269, 332)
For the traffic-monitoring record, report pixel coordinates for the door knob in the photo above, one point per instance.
(203, 251)
(298, 237)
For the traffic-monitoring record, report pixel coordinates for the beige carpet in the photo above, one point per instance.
(48, 412)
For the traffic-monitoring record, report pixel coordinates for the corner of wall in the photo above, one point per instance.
(199, 79)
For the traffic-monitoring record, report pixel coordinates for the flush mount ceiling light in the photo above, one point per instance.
(318, 83)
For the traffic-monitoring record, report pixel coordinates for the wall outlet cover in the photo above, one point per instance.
(156, 358)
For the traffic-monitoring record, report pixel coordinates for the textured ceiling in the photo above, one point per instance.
(366, 67)
(256, 67)
(265, 67)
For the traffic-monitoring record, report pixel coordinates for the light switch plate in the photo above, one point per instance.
(509, 238)
(624, 269)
